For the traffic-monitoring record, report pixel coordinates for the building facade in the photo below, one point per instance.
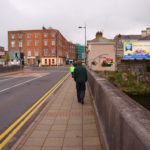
(71, 53)
(46, 46)
(101, 53)
(120, 39)
(2, 56)
(124, 63)
(80, 52)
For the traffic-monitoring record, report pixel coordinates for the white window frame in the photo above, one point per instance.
(45, 35)
(36, 43)
(28, 35)
(45, 42)
(36, 35)
(13, 36)
(20, 43)
(29, 53)
(45, 51)
(53, 42)
(12, 44)
(29, 43)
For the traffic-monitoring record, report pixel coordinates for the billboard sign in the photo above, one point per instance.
(136, 50)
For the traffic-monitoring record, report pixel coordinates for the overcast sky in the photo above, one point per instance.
(110, 16)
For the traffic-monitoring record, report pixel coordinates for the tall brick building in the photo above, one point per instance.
(47, 46)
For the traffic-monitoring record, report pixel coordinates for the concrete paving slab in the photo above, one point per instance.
(64, 124)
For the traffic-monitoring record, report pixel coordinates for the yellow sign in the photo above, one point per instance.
(136, 50)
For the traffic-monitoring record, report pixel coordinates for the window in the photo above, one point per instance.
(29, 43)
(46, 61)
(12, 36)
(28, 35)
(53, 34)
(53, 52)
(46, 52)
(36, 43)
(20, 43)
(20, 36)
(53, 42)
(29, 53)
(45, 35)
(12, 44)
(45, 42)
(36, 35)
(53, 61)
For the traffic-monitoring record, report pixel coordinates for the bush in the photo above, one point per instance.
(148, 66)
(128, 83)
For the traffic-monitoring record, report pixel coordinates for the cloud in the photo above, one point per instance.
(110, 16)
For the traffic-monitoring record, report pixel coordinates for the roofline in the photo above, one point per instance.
(102, 43)
(30, 30)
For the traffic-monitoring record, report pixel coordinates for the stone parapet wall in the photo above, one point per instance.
(123, 123)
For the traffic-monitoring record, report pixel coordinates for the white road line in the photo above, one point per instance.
(7, 79)
(20, 84)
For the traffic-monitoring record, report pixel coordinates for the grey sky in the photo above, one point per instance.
(110, 16)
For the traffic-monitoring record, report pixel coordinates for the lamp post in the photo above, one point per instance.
(118, 37)
(84, 27)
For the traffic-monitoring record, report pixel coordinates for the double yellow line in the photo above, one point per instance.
(6, 136)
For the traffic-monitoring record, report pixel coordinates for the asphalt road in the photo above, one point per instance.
(19, 92)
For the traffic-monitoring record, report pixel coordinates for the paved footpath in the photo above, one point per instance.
(64, 124)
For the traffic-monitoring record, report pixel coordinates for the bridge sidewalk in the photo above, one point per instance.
(64, 124)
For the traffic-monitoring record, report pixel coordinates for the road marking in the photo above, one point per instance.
(18, 124)
(30, 74)
(7, 79)
(20, 84)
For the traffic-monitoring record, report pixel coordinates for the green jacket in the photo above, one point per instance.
(72, 69)
(80, 74)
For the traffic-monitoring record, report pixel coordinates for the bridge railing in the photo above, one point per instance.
(123, 123)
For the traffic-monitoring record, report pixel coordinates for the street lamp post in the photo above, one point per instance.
(84, 27)
(117, 42)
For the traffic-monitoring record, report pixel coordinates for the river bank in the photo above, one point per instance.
(137, 86)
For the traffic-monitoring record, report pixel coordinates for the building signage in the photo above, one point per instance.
(136, 50)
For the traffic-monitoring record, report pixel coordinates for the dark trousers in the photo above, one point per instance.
(80, 86)
(72, 74)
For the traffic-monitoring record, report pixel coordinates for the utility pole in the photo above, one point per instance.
(84, 27)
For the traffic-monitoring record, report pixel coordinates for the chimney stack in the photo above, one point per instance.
(144, 33)
(99, 35)
(147, 31)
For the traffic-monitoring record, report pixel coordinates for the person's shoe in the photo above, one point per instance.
(79, 100)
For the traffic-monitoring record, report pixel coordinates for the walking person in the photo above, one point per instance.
(72, 70)
(80, 77)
